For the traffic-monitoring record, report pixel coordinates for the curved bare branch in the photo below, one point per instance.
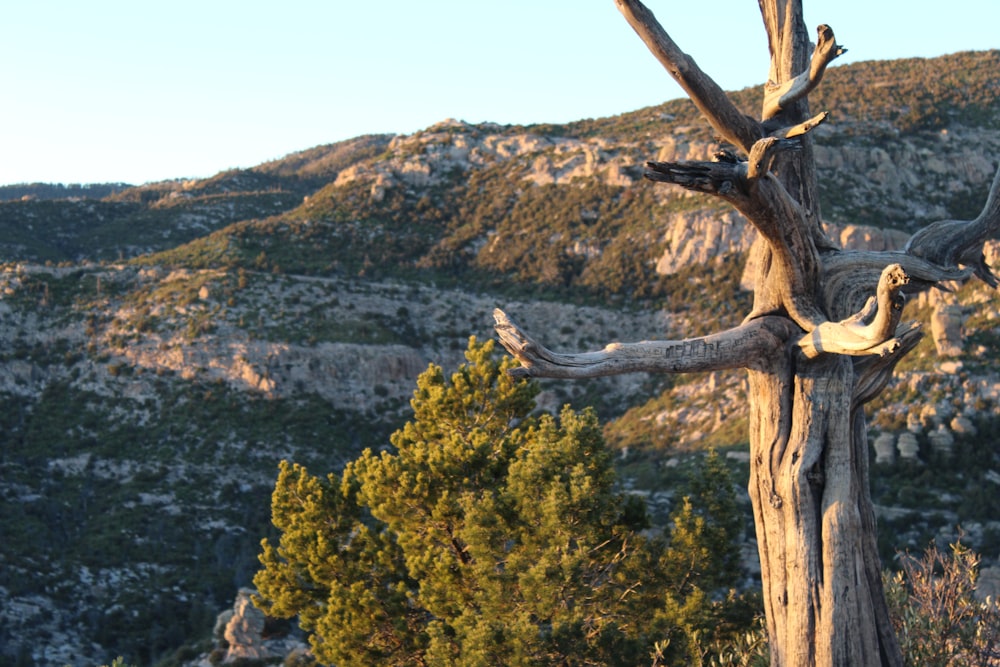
(731, 124)
(856, 336)
(779, 97)
(849, 277)
(799, 129)
(750, 345)
(960, 242)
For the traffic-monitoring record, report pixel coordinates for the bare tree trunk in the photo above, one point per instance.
(812, 508)
(822, 340)
(814, 520)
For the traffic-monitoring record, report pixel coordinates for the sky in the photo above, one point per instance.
(135, 91)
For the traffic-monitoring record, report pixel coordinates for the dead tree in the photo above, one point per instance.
(823, 338)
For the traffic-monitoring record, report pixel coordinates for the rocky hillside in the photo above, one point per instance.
(164, 346)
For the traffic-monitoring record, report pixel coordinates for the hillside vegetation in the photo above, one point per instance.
(165, 346)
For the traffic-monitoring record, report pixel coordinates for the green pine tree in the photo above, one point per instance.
(342, 576)
(699, 566)
(484, 536)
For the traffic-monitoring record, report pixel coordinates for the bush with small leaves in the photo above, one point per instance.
(938, 619)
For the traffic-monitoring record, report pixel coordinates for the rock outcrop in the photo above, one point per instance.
(699, 237)
(946, 329)
(241, 634)
(244, 630)
(885, 448)
(909, 448)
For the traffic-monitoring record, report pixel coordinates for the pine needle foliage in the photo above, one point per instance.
(484, 536)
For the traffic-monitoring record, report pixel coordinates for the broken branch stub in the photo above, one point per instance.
(848, 276)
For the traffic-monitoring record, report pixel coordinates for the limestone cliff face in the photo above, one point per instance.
(698, 237)
(343, 373)
(427, 158)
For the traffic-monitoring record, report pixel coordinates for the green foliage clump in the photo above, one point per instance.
(489, 536)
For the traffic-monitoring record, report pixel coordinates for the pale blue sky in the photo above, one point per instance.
(138, 91)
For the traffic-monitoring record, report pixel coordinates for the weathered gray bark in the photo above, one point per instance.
(822, 340)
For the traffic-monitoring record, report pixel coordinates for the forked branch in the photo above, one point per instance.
(751, 345)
